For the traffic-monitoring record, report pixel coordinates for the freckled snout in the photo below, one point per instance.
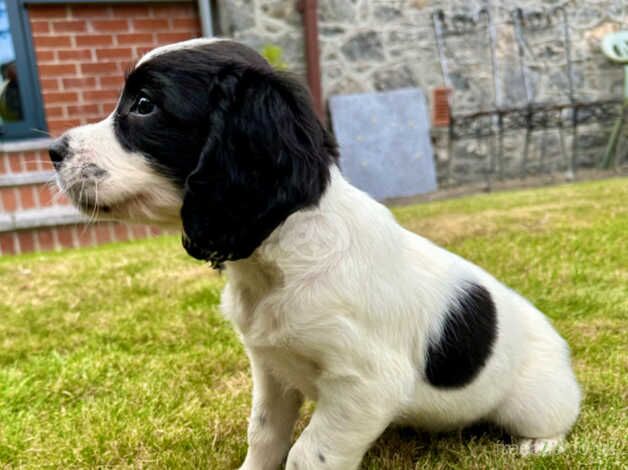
(59, 150)
(92, 172)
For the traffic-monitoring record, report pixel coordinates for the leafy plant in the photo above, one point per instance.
(274, 55)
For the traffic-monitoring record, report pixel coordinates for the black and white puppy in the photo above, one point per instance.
(333, 299)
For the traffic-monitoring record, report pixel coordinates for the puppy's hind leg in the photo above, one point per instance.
(542, 406)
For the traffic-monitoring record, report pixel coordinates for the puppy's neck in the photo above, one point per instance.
(308, 240)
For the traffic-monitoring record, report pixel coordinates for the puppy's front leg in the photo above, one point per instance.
(274, 412)
(345, 423)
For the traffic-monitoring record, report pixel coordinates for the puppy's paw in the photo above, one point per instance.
(541, 446)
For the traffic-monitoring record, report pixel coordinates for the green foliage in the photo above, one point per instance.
(117, 356)
(274, 55)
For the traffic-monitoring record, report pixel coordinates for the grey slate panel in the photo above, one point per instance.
(385, 145)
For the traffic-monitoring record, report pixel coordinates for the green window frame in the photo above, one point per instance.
(33, 123)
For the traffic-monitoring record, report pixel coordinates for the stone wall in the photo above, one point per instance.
(369, 45)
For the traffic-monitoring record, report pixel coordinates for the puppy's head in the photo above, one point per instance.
(205, 134)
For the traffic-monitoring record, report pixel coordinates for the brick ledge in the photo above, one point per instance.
(36, 218)
(25, 145)
(21, 179)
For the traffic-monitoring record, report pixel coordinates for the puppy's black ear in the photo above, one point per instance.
(267, 156)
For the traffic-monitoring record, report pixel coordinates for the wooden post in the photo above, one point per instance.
(308, 9)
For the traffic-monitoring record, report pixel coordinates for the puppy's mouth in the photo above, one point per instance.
(117, 208)
(90, 208)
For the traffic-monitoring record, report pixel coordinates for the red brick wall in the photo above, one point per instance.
(70, 236)
(22, 162)
(30, 196)
(83, 51)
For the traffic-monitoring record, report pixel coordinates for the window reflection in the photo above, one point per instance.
(10, 103)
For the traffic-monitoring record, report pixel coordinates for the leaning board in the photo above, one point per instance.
(384, 138)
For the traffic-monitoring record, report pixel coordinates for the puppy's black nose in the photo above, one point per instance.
(59, 150)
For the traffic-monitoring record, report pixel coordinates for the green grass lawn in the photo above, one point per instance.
(117, 356)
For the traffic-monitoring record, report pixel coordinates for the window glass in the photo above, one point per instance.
(10, 102)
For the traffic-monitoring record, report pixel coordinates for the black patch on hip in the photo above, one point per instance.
(466, 341)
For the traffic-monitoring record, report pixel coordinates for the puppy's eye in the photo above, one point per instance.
(143, 106)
